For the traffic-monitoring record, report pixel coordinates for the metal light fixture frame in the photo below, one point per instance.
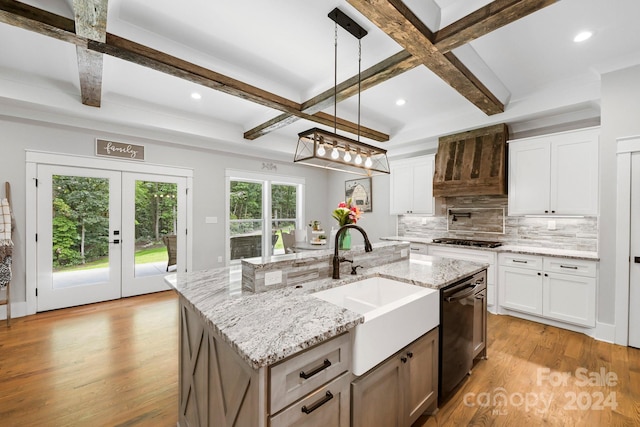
(307, 153)
(375, 160)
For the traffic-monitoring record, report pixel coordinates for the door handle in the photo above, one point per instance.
(116, 242)
(636, 259)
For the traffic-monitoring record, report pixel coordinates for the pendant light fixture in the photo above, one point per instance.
(320, 148)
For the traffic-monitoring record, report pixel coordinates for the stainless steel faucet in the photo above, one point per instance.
(338, 259)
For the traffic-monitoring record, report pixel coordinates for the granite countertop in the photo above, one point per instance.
(269, 326)
(518, 249)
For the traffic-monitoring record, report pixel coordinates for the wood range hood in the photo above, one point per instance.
(472, 163)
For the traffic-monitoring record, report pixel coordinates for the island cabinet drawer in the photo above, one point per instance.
(532, 262)
(577, 267)
(301, 374)
(327, 406)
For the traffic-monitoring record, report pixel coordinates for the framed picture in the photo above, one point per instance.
(359, 191)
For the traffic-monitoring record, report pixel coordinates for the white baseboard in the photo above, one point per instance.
(18, 309)
(605, 332)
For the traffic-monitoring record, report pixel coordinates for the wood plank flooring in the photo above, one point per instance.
(534, 376)
(116, 364)
(108, 364)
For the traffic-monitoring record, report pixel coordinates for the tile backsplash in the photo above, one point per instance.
(488, 220)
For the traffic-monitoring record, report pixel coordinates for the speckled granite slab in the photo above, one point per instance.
(269, 326)
(531, 250)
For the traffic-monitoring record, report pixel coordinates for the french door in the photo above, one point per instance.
(106, 234)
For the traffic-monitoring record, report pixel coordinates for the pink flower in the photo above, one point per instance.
(346, 213)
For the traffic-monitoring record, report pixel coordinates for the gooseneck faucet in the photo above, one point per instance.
(338, 259)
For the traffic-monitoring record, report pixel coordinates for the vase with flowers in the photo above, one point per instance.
(346, 213)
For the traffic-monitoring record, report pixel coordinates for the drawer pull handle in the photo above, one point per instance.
(521, 261)
(318, 404)
(573, 267)
(317, 370)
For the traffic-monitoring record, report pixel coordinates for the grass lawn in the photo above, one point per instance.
(142, 256)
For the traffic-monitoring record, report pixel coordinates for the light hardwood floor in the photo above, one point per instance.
(115, 364)
(108, 364)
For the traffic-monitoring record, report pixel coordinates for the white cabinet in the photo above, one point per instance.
(412, 186)
(521, 283)
(473, 255)
(554, 174)
(569, 291)
(554, 288)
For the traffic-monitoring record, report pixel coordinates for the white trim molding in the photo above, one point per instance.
(35, 158)
(625, 147)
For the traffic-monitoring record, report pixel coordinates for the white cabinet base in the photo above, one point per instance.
(552, 289)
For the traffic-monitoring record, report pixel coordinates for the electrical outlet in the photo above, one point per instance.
(424, 221)
(211, 220)
(404, 253)
(273, 278)
(220, 259)
(551, 224)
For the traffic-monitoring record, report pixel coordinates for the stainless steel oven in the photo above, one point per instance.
(458, 311)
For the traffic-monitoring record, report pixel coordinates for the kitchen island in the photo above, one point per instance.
(233, 340)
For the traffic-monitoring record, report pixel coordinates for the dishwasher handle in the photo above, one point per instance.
(460, 295)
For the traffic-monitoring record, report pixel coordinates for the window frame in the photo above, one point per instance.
(267, 180)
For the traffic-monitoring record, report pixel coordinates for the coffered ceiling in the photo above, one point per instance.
(254, 61)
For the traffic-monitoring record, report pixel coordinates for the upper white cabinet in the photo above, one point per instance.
(554, 174)
(412, 186)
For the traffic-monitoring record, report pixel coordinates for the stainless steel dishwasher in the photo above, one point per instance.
(457, 309)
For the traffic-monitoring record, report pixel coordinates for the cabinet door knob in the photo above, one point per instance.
(404, 359)
(546, 275)
(546, 211)
(409, 354)
(539, 274)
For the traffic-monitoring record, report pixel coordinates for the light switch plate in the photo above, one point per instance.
(404, 253)
(211, 220)
(424, 221)
(551, 224)
(273, 278)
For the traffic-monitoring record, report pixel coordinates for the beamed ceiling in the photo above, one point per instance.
(265, 70)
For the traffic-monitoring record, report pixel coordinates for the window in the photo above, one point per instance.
(261, 208)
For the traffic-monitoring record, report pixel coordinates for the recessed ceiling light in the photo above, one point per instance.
(582, 36)
(196, 95)
(400, 102)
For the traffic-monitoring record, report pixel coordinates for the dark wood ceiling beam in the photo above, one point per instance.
(495, 15)
(382, 71)
(395, 19)
(37, 20)
(40, 21)
(160, 61)
(486, 19)
(90, 22)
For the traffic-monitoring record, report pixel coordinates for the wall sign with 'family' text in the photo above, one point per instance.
(119, 150)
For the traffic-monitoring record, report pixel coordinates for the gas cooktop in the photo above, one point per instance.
(467, 242)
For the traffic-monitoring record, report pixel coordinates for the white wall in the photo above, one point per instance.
(620, 109)
(209, 166)
(377, 223)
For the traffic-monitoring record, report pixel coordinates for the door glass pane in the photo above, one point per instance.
(245, 219)
(283, 214)
(80, 230)
(156, 221)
